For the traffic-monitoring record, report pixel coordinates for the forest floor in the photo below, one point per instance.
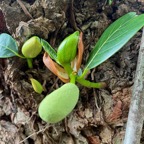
(101, 114)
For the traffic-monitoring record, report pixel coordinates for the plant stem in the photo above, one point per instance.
(68, 69)
(72, 78)
(91, 84)
(83, 74)
(29, 62)
(136, 112)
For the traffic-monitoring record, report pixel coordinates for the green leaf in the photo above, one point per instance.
(8, 46)
(47, 47)
(36, 85)
(114, 38)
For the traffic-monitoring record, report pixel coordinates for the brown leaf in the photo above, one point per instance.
(76, 63)
(80, 51)
(55, 68)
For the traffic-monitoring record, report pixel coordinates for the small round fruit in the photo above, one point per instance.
(57, 105)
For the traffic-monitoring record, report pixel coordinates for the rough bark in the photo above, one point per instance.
(136, 112)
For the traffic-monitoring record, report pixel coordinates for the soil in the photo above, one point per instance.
(101, 114)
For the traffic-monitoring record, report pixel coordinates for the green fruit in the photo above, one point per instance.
(68, 49)
(57, 105)
(32, 47)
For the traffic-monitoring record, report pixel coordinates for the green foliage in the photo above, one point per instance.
(47, 47)
(67, 60)
(57, 105)
(68, 49)
(8, 46)
(60, 103)
(114, 37)
(36, 85)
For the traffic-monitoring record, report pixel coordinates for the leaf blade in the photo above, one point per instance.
(114, 37)
(8, 46)
(46, 46)
(36, 85)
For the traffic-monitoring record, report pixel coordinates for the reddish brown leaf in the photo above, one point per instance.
(55, 68)
(80, 51)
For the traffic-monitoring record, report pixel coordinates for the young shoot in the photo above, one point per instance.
(66, 62)
(9, 48)
(31, 49)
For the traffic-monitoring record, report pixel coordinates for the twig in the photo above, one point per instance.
(24, 9)
(136, 112)
(35, 133)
